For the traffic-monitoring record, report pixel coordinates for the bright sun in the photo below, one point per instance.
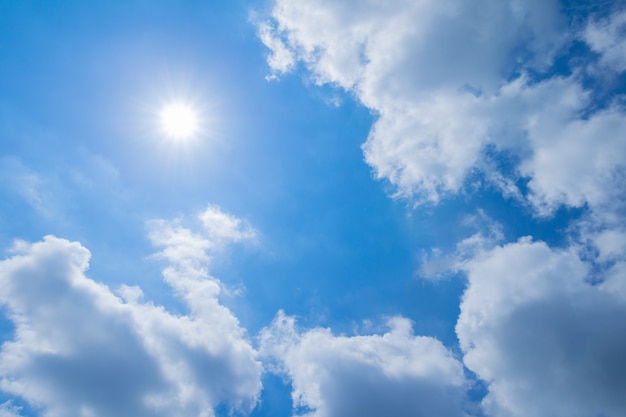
(179, 120)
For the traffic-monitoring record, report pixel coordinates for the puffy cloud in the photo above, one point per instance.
(419, 65)
(426, 148)
(578, 161)
(547, 342)
(569, 158)
(223, 228)
(395, 373)
(189, 254)
(608, 38)
(191, 250)
(392, 49)
(441, 78)
(81, 350)
(453, 83)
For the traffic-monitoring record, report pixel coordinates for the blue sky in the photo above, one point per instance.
(404, 208)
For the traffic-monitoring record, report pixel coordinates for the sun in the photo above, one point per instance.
(179, 121)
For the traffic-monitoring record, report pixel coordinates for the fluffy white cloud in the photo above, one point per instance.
(189, 254)
(223, 228)
(419, 66)
(547, 342)
(569, 159)
(390, 50)
(81, 350)
(395, 373)
(451, 83)
(608, 38)
(440, 77)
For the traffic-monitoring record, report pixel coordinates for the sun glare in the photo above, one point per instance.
(179, 121)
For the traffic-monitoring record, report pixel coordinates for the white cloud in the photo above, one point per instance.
(9, 410)
(608, 38)
(81, 350)
(418, 65)
(189, 253)
(426, 148)
(223, 228)
(548, 343)
(449, 81)
(611, 244)
(395, 373)
(281, 58)
(191, 250)
(576, 161)
(391, 49)
(439, 75)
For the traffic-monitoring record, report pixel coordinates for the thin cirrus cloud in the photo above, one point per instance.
(80, 349)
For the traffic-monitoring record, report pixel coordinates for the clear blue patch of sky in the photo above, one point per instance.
(275, 398)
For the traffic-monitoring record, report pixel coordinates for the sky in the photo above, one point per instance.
(385, 208)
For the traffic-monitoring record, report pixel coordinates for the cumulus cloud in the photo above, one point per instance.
(575, 161)
(547, 342)
(189, 253)
(395, 373)
(223, 228)
(81, 350)
(448, 80)
(608, 38)
(456, 86)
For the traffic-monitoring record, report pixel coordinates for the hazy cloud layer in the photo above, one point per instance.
(395, 373)
(81, 350)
